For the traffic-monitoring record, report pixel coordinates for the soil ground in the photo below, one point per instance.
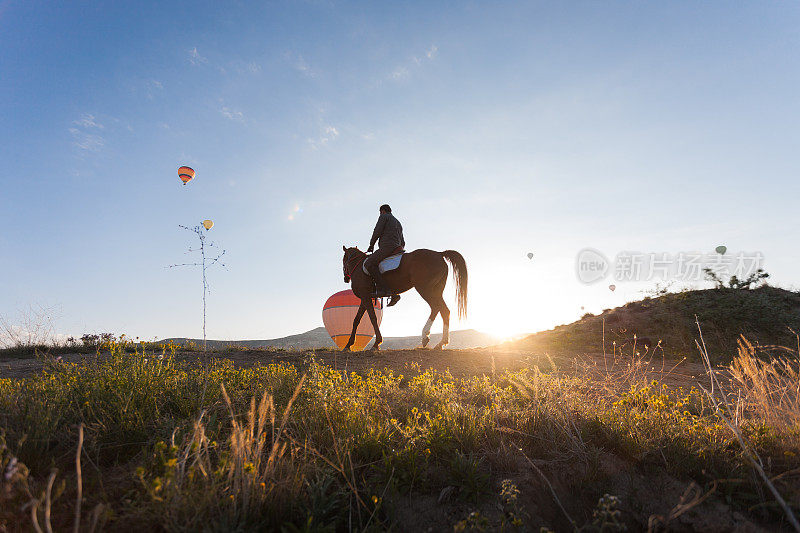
(460, 363)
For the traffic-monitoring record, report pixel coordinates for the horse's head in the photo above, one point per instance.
(350, 261)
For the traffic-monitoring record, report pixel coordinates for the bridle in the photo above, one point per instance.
(355, 261)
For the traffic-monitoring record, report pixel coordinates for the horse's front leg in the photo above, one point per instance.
(374, 320)
(356, 321)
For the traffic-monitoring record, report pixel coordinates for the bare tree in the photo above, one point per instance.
(32, 327)
(205, 263)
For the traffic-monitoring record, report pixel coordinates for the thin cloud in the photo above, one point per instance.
(300, 65)
(86, 142)
(148, 88)
(404, 72)
(84, 134)
(151, 87)
(239, 67)
(195, 58)
(88, 121)
(329, 134)
(232, 114)
(400, 73)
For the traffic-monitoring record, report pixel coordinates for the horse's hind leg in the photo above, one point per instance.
(445, 312)
(433, 295)
(426, 330)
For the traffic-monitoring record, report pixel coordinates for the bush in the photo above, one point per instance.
(306, 447)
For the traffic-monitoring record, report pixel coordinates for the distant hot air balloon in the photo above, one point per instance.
(208, 224)
(530, 255)
(721, 249)
(338, 314)
(186, 174)
(612, 288)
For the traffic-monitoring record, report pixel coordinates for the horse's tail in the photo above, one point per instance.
(456, 260)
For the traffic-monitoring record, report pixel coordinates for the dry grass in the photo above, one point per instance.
(769, 389)
(308, 448)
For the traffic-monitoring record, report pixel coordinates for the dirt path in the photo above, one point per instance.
(460, 363)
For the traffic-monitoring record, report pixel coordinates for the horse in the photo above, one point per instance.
(423, 270)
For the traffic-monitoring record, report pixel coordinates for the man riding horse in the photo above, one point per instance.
(388, 233)
(423, 270)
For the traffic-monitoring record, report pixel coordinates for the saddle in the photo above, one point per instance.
(390, 263)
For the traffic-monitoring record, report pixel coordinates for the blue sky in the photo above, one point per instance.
(495, 129)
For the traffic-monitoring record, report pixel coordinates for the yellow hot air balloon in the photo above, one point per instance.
(208, 224)
(186, 174)
(338, 314)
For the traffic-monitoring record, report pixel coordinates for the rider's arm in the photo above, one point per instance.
(378, 231)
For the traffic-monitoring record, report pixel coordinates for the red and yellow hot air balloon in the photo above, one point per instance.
(186, 174)
(338, 314)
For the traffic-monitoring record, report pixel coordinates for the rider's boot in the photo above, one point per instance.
(380, 286)
(393, 300)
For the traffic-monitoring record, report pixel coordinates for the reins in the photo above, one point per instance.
(349, 271)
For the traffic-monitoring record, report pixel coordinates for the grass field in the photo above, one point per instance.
(136, 439)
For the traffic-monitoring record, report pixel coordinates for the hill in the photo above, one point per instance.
(765, 316)
(319, 338)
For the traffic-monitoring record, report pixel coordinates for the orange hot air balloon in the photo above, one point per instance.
(338, 314)
(186, 174)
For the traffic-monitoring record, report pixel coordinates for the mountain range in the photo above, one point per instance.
(319, 338)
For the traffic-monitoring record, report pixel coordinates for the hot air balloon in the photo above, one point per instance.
(612, 288)
(186, 174)
(338, 314)
(721, 249)
(530, 255)
(208, 224)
